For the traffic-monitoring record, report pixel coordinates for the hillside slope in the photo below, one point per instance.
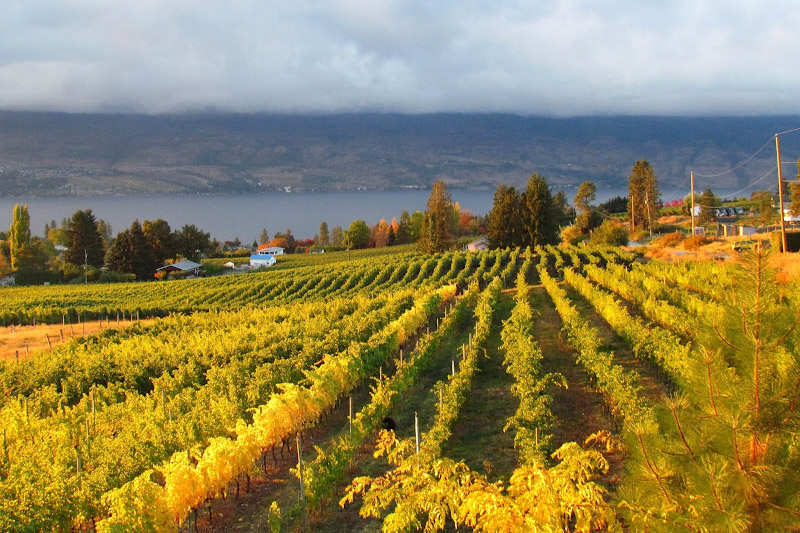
(63, 154)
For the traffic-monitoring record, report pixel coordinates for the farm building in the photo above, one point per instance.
(181, 266)
(746, 231)
(262, 260)
(270, 250)
(479, 244)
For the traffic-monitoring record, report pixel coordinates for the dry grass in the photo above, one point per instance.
(675, 219)
(787, 265)
(24, 341)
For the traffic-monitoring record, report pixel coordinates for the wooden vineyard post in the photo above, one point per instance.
(302, 481)
(17, 355)
(416, 434)
(61, 332)
(49, 344)
(453, 363)
(350, 416)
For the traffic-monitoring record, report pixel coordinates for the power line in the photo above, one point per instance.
(764, 176)
(788, 131)
(740, 165)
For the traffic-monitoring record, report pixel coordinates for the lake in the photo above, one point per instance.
(229, 216)
(241, 215)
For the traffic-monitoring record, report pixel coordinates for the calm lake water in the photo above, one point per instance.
(229, 216)
(243, 216)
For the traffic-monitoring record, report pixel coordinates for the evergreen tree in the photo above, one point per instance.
(566, 213)
(439, 220)
(794, 187)
(85, 241)
(104, 228)
(766, 205)
(403, 235)
(132, 253)
(19, 235)
(643, 196)
(539, 220)
(263, 237)
(726, 457)
(587, 192)
(161, 238)
(618, 204)
(192, 242)
(589, 217)
(504, 227)
(337, 236)
(324, 235)
(708, 201)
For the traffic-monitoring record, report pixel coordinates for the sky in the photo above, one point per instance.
(535, 57)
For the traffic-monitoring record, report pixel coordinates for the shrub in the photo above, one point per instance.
(110, 276)
(670, 239)
(572, 235)
(695, 241)
(610, 234)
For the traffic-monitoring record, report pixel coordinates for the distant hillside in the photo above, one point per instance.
(73, 154)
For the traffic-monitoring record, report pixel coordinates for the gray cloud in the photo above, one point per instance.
(563, 57)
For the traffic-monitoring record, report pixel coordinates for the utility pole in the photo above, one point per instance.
(85, 266)
(691, 174)
(780, 194)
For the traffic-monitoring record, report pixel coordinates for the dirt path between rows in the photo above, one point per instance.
(579, 409)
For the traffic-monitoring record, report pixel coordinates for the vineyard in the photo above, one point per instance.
(548, 389)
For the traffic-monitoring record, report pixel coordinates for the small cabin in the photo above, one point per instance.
(262, 260)
(478, 245)
(182, 266)
(269, 250)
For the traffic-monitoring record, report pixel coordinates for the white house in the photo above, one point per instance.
(271, 250)
(479, 244)
(182, 266)
(262, 260)
(789, 217)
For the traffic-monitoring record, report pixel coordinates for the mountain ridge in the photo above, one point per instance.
(89, 154)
